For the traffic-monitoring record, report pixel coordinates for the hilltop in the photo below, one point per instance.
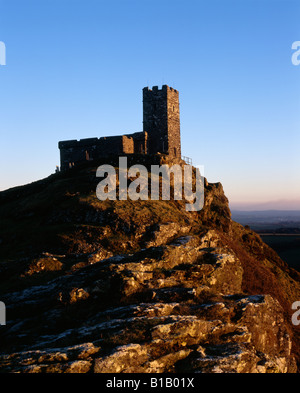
(138, 286)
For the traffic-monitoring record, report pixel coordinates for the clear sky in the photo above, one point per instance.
(76, 68)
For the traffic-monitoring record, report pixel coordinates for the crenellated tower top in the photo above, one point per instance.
(161, 119)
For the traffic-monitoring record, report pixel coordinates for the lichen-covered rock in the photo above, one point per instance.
(137, 286)
(163, 232)
(171, 308)
(45, 263)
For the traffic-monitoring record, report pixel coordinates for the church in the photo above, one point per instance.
(161, 133)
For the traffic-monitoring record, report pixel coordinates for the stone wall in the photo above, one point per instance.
(173, 114)
(73, 152)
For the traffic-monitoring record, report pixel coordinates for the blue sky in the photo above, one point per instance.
(76, 69)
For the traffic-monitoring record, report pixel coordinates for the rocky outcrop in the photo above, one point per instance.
(168, 308)
(137, 286)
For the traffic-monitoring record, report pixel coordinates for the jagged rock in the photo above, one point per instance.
(163, 335)
(99, 255)
(138, 286)
(165, 231)
(45, 263)
(128, 358)
(71, 359)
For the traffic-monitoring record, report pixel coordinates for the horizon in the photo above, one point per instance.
(288, 206)
(76, 69)
(275, 206)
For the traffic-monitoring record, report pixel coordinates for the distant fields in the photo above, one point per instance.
(279, 229)
(286, 246)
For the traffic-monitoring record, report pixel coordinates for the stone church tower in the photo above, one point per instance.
(161, 120)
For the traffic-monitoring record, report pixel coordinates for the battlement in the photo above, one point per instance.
(164, 88)
(74, 142)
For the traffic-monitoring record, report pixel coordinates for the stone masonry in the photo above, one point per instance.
(161, 133)
(161, 120)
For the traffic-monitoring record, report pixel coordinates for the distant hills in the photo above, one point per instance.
(277, 221)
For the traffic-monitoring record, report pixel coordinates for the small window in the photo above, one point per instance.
(175, 152)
